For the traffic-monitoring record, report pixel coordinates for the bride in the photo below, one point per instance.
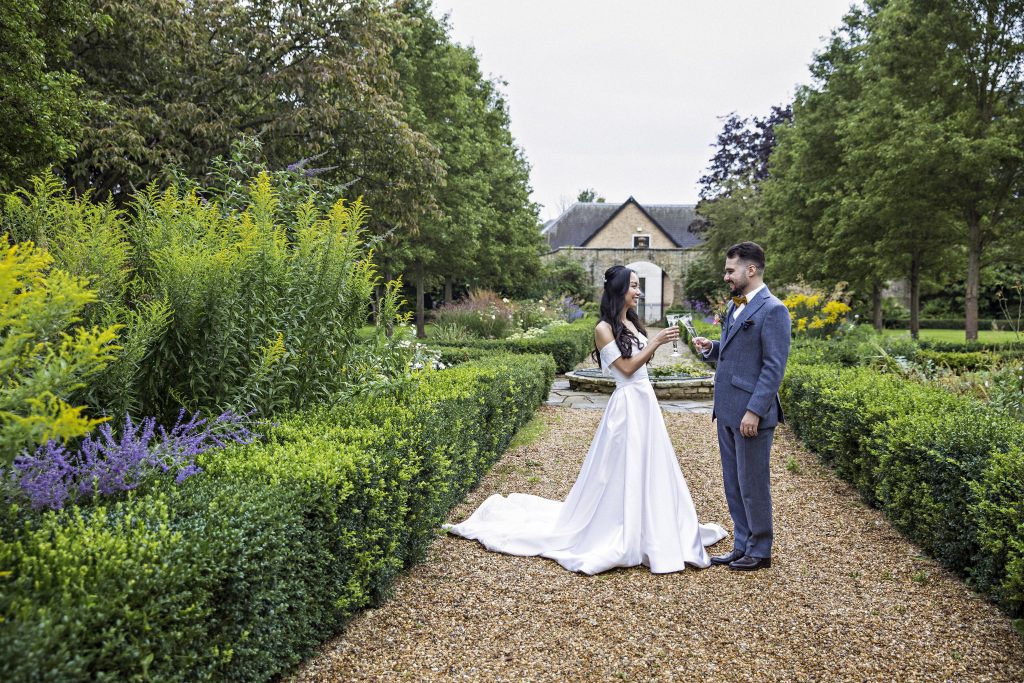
(630, 504)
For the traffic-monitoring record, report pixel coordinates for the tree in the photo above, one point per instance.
(815, 232)
(39, 104)
(730, 193)
(930, 139)
(917, 117)
(962, 84)
(744, 149)
(484, 231)
(180, 81)
(589, 195)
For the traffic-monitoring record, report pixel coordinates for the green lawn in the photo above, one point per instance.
(987, 336)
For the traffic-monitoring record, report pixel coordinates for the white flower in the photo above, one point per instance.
(492, 316)
(504, 299)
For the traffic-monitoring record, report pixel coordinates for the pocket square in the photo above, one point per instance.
(747, 324)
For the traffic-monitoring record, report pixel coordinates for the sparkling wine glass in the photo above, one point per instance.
(674, 319)
(687, 322)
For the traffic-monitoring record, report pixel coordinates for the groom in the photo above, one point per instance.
(751, 357)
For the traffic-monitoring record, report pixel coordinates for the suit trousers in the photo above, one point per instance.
(745, 469)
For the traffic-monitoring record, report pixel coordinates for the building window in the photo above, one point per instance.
(641, 241)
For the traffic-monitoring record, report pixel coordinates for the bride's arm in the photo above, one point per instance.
(627, 366)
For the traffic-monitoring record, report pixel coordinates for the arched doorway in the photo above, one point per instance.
(656, 288)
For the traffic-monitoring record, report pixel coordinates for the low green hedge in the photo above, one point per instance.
(961, 361)
(567, 344)
(861, 345)
(237, 574)
(454, 355)
(947, 471)
(1011, 348)
(948, 324)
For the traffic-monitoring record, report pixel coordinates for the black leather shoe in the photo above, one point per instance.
(748, 563)
(727, 558)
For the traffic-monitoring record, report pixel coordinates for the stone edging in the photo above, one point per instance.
(697, 388)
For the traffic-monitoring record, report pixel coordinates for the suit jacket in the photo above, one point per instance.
(751, 361)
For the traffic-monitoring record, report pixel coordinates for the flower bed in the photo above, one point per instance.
(946, 469)
(238, 573)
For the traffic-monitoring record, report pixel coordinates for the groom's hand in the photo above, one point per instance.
(749, 423)
(703, 344)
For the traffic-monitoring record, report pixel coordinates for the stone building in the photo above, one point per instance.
(655, 240)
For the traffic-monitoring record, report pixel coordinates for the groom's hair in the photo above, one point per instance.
(750, 252)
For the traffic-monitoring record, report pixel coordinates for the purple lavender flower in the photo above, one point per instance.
(106, 464)
(699, 306)
(571, 310)
(47, 477)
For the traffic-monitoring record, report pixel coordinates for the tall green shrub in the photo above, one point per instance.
(44, 354)
(90, 240)
(266, 306)
(253, 305)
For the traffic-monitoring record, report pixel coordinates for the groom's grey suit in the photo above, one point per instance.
(751, 358)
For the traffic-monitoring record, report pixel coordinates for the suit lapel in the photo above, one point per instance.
(747, 311)
(725, 323)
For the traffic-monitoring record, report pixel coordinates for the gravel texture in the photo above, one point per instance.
(847, 598)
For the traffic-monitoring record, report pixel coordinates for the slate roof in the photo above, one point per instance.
(583, 220)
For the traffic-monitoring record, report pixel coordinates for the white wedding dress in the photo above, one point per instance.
(629, 506)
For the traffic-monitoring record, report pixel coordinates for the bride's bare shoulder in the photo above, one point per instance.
(603, 333)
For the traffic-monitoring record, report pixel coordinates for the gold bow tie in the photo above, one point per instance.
(739, 300)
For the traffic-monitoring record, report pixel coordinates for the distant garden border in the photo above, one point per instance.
(567, 344)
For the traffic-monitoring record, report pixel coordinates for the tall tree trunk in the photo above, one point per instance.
(973, 275)
(915, 296)
(448, 290)
(876, 306)
(421, 330)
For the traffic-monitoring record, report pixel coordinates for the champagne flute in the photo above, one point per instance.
(674, 320)
(687, 322)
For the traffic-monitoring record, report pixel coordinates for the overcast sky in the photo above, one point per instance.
(626, 97)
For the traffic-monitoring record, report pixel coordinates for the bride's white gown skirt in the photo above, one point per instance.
(629, 506)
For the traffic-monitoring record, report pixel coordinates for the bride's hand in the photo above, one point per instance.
(668, 334)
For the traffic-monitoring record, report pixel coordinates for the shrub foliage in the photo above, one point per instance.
(567, 344)
(238, 574)
(44, 354)
(947, 469)
(252, 306)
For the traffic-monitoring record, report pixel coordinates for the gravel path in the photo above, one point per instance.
(847, 597)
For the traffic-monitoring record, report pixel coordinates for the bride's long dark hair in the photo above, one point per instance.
(616, 284)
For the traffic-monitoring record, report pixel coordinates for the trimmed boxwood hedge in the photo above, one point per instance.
(567, 344)
(960, 361)
(237, 574)
(1006, 348)
(948, 324)
(948, 471)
